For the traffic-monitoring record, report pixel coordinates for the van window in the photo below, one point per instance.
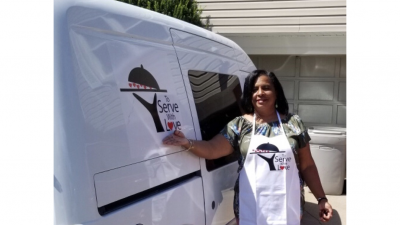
(217, 99)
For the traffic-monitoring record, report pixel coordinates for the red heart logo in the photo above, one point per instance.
(130, 84)
(170, 125)
(282, 167)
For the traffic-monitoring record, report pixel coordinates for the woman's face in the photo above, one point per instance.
(264, 95)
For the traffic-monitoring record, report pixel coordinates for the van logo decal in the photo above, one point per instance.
(141, 80)
(165, 112)
(278, 161)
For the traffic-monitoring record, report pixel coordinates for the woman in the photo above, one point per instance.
(275, 156)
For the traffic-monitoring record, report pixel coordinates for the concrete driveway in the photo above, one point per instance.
(311, 216)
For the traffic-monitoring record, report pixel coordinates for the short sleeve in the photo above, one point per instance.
(302, 137)
(232, 132)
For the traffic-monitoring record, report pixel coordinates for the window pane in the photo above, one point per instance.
(217, 98)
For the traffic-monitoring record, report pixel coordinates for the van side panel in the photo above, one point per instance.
(121, 86)
(74, 197)
(131, 95)
(119, 93)
(201, 54)
(129, 180)
(180, 205)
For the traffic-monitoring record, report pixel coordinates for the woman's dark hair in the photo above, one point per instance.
(246, 100)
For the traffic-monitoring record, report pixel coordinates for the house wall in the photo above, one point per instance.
(293, 16)
(302, 41)
(296, 27)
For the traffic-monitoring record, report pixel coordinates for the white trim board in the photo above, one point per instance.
(291, 44)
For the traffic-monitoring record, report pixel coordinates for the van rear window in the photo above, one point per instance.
(217, 98)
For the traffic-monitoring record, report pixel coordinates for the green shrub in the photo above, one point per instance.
(186, 10)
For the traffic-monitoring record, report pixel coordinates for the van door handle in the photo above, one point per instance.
(326, 132)
(326, 148)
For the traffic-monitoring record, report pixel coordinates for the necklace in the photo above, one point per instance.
(260, 120)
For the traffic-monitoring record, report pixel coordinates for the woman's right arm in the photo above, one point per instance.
(215, 148)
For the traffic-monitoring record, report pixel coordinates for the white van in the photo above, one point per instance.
(125, 78)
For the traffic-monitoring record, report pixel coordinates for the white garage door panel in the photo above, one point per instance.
(288, 89)
(342, 91)
(341, 115)
(316, 113)
(342, 67)
(282, 66)
(317, 66)
(290, 108)
(316, 90)
(314, 85)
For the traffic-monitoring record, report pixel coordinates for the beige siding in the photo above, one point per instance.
(297, 16)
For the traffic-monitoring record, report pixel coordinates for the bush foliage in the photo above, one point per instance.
(186, 10)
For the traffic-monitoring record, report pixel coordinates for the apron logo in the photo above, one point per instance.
(165, 113)
(278, 161)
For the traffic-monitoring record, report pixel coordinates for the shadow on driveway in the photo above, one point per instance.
(311, 216)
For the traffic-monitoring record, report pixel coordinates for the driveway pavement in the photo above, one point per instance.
(311, 216)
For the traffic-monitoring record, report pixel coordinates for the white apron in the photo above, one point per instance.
(269, 185)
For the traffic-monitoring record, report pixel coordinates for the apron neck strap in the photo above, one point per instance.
(254, 122)
(279, 118)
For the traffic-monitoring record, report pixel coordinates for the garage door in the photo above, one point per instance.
(314, 85)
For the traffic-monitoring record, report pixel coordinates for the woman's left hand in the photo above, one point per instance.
(325, 210)
(177, 138)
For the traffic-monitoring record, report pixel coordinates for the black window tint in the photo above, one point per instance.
(217, 99)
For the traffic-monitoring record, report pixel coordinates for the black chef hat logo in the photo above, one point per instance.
(271, 149)
(268, 147)
(144, 79)
(140, 76)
